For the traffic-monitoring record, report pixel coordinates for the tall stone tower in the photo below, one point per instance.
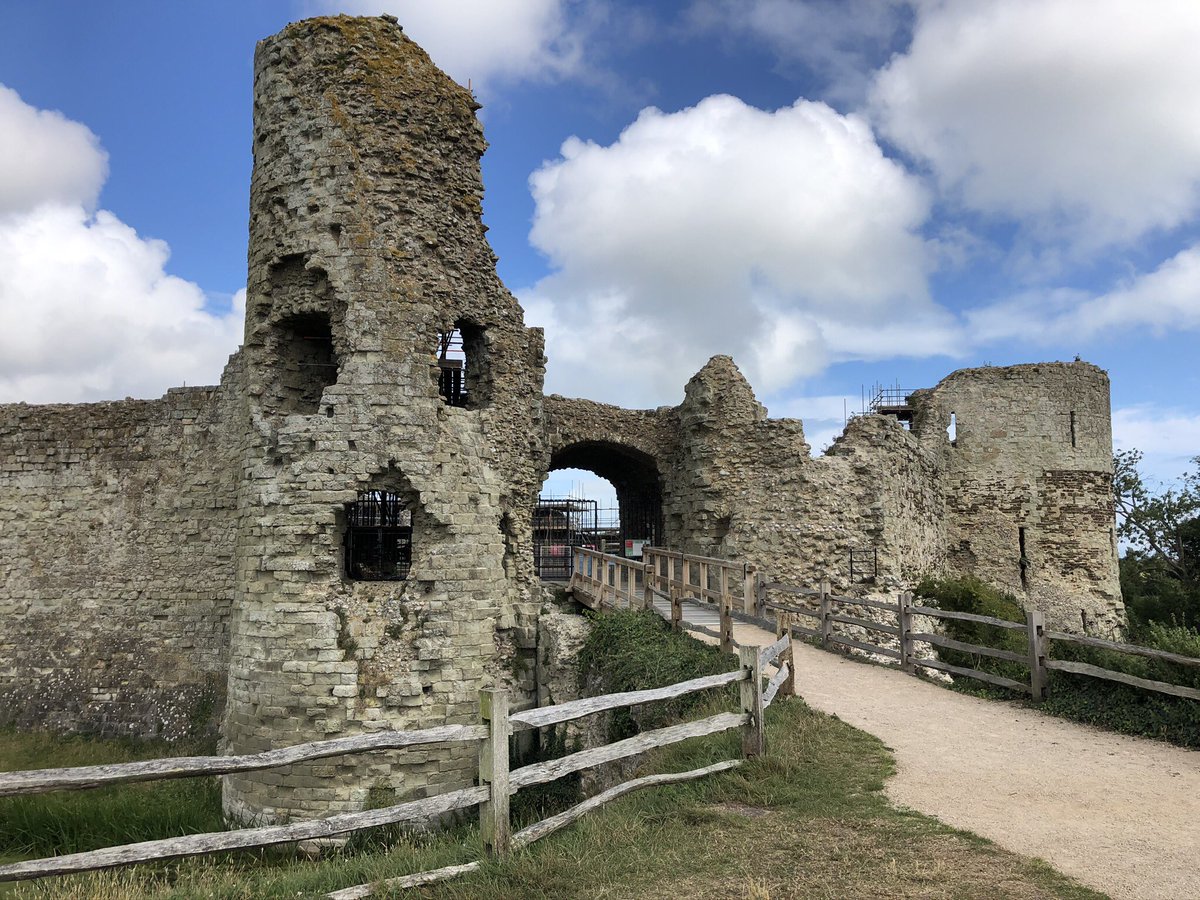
(1026, 457)
(393, 396)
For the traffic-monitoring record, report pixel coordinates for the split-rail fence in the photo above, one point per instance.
(815, 614)
(497, 781)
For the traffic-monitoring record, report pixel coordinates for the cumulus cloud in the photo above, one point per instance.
(778, 237)
(1166, 299)
(481, 40)
(1075, 116)
(44, 156)
(838, 41)
(87, 310)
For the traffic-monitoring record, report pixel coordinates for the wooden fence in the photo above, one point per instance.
(607, 580)
(496, 782)
(602, 579)
(825, 609)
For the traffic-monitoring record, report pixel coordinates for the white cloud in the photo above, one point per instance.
(778, 237)
(87, 310)
(481, 40)
(840, 41)
(44, 156)
(1166, 299)
(1078, 116)
(1168, 438)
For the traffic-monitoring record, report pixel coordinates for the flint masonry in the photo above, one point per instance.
(338, 537)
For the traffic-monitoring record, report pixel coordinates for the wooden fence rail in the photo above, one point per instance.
(497, 781)
(678, 577)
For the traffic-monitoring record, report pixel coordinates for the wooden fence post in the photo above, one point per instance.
(647, 573)
(1035, 625)
(676, 607)
(904, 625)
(826, 612)
(726, 608)
(760, 595)
(749, 589)
(782, 627)
(494, 825)
(753, 738)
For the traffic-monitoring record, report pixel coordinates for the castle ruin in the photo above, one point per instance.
(338, 537)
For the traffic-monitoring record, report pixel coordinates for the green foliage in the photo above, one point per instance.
(970, 595)
(1160, 573)
(631, 650)
(1103, 703)
(1127, 709)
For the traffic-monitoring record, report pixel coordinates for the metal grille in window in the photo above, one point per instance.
(378, 537)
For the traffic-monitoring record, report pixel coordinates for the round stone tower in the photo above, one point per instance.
(393, 400)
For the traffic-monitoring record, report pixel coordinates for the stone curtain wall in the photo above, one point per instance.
(117, 531)
(737, 484)
(160, 558)
(365, 232)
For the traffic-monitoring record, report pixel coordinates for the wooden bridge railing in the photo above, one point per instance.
(496, 780)
(602, 579)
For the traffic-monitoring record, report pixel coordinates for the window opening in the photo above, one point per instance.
(1023, 560)
(461, 366)
(378, 541)
(952, 430)
(306, 363)
(1072, 428)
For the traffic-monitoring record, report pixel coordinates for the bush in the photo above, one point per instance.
(630, 650)
(970, 595)
(1106, 704)
(1124, 708)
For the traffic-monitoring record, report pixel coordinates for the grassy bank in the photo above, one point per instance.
(807, 821)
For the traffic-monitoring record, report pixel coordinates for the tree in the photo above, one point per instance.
(1160, 573)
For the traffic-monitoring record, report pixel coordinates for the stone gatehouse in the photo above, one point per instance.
(337, 537)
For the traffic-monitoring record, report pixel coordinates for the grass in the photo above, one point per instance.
(808, 820)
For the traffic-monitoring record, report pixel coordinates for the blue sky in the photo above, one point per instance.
(835, 193)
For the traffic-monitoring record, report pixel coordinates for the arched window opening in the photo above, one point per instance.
(462, 366)
(378, 542)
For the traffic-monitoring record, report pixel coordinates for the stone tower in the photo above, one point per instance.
(393, 395)
(1026, 464)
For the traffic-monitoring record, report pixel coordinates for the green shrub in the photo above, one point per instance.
(1107, 704)
(631, 650)
(970, 595)
(1124, 708)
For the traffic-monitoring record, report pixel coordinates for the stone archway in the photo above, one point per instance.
(635, 476)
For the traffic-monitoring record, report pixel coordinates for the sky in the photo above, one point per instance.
(837, 193)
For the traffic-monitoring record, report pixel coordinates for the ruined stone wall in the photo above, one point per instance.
(1032, 456)
(365, 228)
(117, 535)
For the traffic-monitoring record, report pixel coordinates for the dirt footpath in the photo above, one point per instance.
(1121, 814)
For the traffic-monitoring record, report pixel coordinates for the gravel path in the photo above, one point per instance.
(1121, 814)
